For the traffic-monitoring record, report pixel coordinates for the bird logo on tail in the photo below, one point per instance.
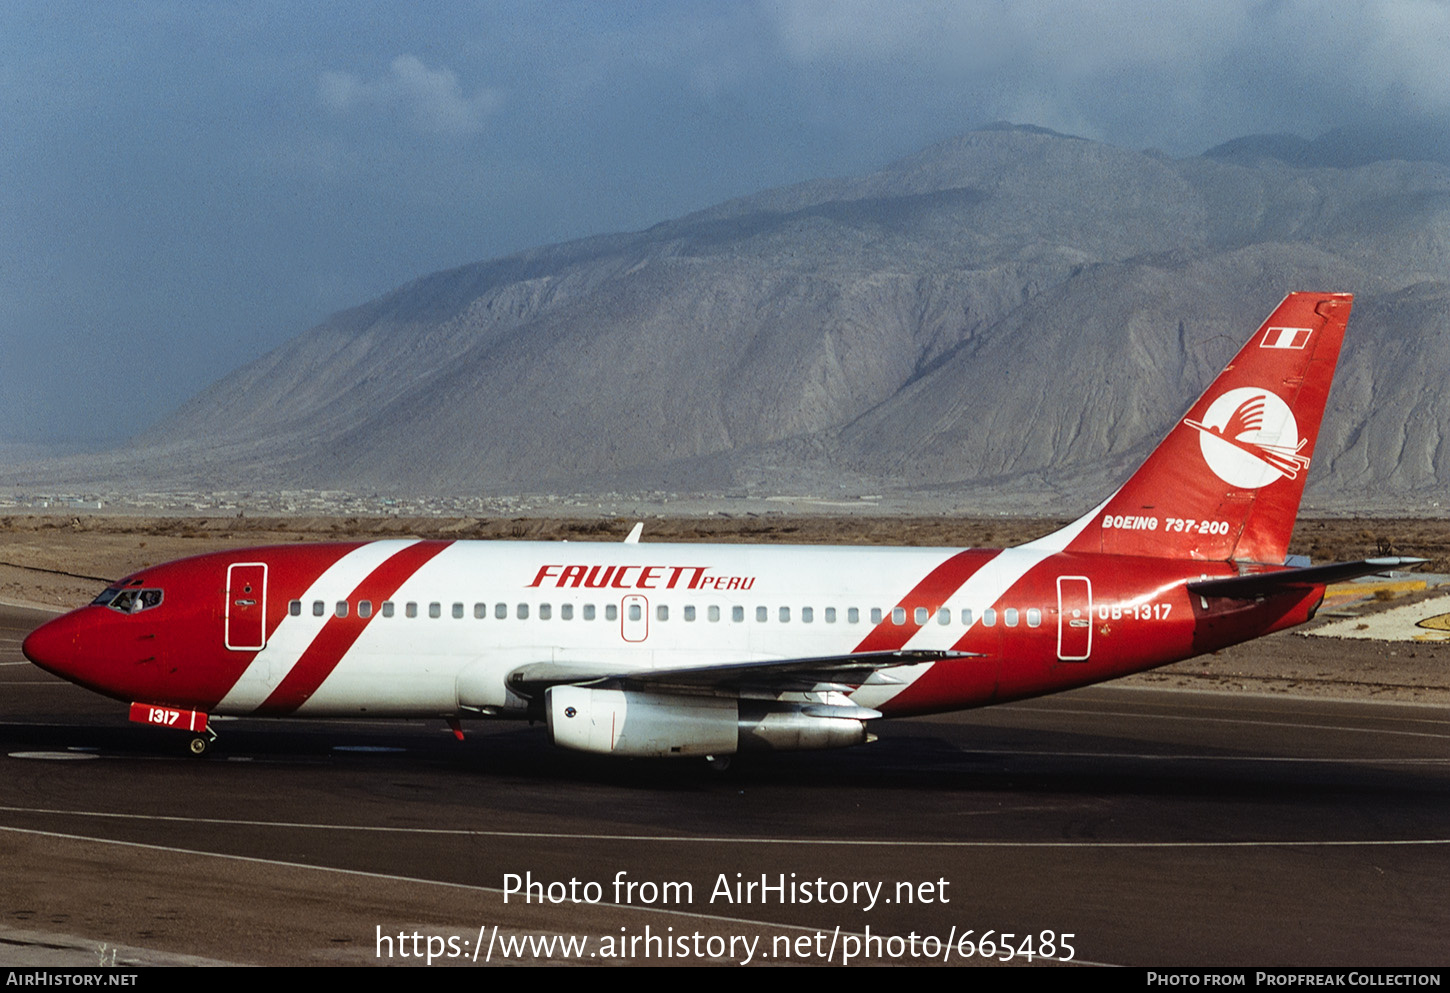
(1249, 438)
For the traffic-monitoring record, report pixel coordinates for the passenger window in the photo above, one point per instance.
(898, 615)
(410, 609)
(785, 615)
(762, 614)
(589, 611)
(1009, 617)
(853, 615)
(364, 608)
(634, 612)
(943, 616)
(318, 608)
(546, 611)
(566, 611)
(611, 612)
(920, 615)
(341, 609)
(1034, 617)
(714, 613)
(501, 611)
(808, 614)
(737, 614)
(387, 608)
(690, 613)
(522, 613)
(989, 618)
(435, 609)
(295, 608)
(480, 611)
(830, 615)
(875, 615)
(967, 616)
(662, 613)
(458, 611)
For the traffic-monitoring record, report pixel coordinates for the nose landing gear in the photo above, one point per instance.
(201, 744)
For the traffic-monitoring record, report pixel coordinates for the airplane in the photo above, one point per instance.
(674, 650)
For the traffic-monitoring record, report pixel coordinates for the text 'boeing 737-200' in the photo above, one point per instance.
(707, 650)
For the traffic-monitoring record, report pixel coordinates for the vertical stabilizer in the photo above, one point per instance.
(1226, 482)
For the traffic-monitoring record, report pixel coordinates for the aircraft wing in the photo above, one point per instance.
(839, 672)
(1259, 584)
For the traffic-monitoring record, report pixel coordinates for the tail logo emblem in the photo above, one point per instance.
(1249, 438)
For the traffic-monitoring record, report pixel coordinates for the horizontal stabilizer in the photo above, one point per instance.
(1259, 584)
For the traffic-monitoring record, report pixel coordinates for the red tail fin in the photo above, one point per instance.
(1226, 482)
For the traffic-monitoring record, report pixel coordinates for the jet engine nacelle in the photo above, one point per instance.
(671, 725)
(623, 722)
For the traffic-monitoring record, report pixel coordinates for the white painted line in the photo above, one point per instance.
(677, 839)
(1223, 696)
(1160, 757)
(368, 749)
(1225, 720)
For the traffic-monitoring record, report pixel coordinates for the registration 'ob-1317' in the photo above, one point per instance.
(1137, 611)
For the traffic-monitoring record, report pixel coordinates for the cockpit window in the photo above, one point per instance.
(129, 601)
(106, 596)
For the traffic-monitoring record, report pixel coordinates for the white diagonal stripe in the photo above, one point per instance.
(286, 645)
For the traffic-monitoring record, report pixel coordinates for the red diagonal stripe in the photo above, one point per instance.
(930, 593)
(340, 633)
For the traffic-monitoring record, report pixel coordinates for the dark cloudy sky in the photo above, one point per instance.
(185, 185)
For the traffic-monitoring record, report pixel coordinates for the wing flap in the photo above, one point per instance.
(778, 675)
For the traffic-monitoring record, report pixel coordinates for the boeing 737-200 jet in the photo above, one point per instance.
(707, 650)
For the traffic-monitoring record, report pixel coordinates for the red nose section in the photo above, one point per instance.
(52, 646)
(78, 647)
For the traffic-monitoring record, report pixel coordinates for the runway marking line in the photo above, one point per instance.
(1228, 720)
(1222, 698)
(1158, 757)
(686, 839)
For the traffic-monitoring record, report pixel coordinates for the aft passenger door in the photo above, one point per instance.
(1074, 618)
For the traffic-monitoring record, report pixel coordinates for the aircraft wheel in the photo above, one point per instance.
(199, 746)
(718, 763)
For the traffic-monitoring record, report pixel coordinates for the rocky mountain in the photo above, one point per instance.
(1010, 313)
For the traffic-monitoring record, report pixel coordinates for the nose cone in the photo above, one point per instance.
(52, 646)
(79, 647)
